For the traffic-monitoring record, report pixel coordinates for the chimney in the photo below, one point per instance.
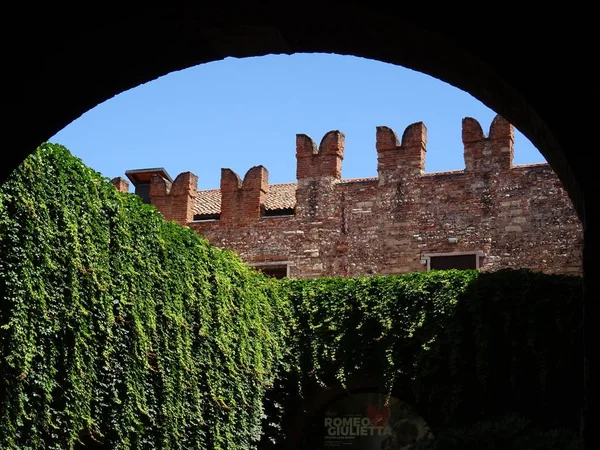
(140, 178)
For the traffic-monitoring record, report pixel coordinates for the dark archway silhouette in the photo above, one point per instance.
(537, 71)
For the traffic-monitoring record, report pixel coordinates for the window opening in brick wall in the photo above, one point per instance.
(447, 261)
(278, 212)
(206, 217)
(274, 269)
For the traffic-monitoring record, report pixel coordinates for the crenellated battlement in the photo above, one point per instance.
(324, 161)
(488, 154)
(175, 200)
(489, 215)
(241, 201)
(318, 174)
(401, 158)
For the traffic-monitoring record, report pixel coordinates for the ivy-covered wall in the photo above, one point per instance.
(121, 328)
(459, 346)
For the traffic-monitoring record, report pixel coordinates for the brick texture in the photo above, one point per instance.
(514, 216)
(120, 183)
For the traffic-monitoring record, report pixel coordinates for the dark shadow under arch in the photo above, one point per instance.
(537, 71)
(72, 63)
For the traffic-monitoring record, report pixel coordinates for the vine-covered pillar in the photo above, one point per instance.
(591, 330)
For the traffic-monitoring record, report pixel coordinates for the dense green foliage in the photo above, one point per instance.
(120, 327)
(378, 325)
(510, 432)
(460, 346)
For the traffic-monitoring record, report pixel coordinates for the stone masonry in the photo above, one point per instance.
(323, 225)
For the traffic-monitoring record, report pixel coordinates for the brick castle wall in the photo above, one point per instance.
(513, 216)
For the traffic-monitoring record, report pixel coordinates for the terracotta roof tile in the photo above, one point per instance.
(280, 196)
(208, 202)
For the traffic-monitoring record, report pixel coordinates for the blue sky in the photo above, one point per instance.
(238, 113)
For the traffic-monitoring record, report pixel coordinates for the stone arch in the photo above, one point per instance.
(76, 65)
(60, 62)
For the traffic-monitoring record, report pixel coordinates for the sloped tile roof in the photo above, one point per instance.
(208, 202)
(280, 196)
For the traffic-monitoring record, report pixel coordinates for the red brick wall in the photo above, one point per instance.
(241, 200)
(175, 200)
(518, 217)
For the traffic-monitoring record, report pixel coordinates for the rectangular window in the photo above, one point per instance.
(446, 261)
(273, 269)
(206, 217)
(281, 212)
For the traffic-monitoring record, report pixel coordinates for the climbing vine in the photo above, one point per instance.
(119, 328)
(460, 346)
